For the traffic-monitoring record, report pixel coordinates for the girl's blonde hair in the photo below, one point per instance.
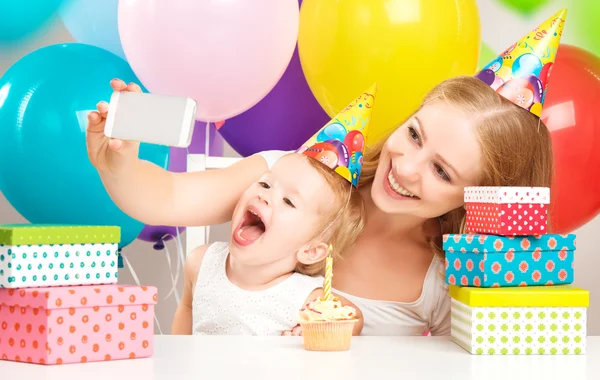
(342, 226)
(516, 145)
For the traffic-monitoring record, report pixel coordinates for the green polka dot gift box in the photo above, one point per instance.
(57, 255)
(535, 320)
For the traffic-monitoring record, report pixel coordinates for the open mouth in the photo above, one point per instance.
(395, 189)
(250, 229)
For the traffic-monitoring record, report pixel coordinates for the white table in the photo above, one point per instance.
(283, 358)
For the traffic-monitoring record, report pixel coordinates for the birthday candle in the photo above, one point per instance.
(328, 275)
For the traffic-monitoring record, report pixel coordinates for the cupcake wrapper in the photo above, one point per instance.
(327, 336)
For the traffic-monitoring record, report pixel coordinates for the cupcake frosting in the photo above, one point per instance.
(326, 310)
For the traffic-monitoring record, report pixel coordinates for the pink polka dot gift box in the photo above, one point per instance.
(508, 211)
(487, 261)
(78, 324)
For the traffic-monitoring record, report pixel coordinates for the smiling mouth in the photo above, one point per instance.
(396, 188)
(250, 229)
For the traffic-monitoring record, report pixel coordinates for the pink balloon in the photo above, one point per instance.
(225, 54)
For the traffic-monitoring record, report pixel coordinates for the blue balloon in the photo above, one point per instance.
(335, 131)
(527, 64)
(45, 172)
(495, 65)
(21, 18)
(94, 22)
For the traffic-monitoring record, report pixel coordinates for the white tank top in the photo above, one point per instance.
(430, 312)
(221, 308)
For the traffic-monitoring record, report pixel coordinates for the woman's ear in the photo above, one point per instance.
(312, 253)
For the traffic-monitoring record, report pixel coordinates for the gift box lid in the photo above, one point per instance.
(64, 297)
(37, 234)
(507, 194)
(478, 243)
(524, 296)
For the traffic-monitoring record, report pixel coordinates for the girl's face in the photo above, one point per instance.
(426, 163)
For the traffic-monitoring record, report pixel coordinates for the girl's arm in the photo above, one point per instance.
(183, 320)
(156, 196)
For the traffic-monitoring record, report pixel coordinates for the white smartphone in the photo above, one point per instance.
(151, 118)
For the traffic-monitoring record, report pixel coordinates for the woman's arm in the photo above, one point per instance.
(441, 321)
(183, 319)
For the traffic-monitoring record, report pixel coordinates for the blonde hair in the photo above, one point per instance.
(343, 225)
(516, 145)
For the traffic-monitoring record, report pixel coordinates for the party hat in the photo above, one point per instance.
(521, 73)
(340, 144)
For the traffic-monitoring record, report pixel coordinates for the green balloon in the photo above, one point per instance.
(524, 7)
(583, 21)
(486, 55)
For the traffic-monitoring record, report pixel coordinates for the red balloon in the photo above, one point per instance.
(572, 114)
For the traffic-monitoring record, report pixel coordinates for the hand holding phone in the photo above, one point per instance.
(151, 118)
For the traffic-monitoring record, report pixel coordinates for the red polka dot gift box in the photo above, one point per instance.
(508, 211)
(79, 324)
(507, 261)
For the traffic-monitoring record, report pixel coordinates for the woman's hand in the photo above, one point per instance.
(105, 154)
(296, 331)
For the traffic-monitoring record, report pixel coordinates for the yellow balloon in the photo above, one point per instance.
(406, 46)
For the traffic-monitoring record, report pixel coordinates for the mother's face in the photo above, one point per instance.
(426, 163)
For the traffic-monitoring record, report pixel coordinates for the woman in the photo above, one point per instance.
(412, 183)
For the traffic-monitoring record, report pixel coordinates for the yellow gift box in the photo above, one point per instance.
(520, 321)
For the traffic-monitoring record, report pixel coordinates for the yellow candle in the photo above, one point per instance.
(328, 275)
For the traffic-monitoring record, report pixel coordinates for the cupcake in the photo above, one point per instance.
(327, 325)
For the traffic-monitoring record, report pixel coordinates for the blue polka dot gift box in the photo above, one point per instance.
(532, 320)
(506, 261)
(56, 255)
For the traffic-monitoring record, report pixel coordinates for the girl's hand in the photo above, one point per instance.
(296, 331)
(105, 154)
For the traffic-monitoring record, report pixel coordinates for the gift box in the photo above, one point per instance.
(498, 261)
(508, 211)
(45, 255)
(520, 321)
(76, 324)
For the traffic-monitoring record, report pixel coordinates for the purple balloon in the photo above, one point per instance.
(538, 89)
(178, 163)
(486, 76)
(158, 235)
(342, 154)
(285, 119)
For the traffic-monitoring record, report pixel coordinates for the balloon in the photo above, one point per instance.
(288, 116)
(584, 25)
(405, 46)
(227, 55)
(93, 22)
(21, 18)
(525, 7)
(526, 64)
(178, 164)
(159, 235)
(486, 55)
(45, 172)
(572, 115)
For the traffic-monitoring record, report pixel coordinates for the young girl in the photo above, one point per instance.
(412, 184)
(257, 283)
